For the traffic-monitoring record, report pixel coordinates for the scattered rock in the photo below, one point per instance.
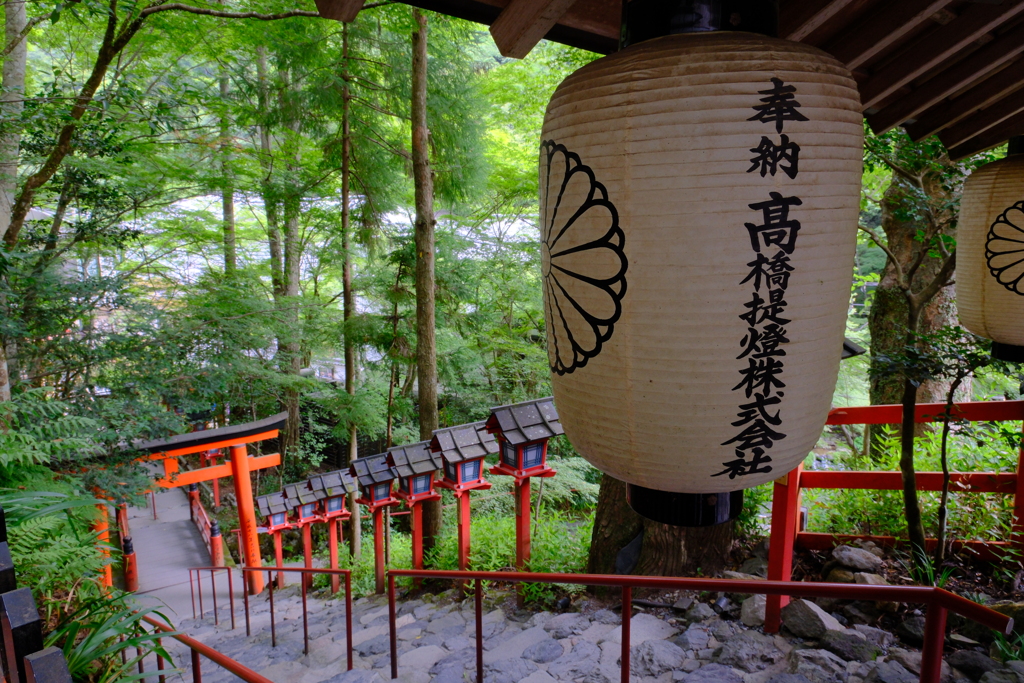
(958, 640)
(840, 575)
(713, 673)
(356, 676)
(788, 678)
(856, 558)
(565, 625)
(1002, 676)
(459, 661)
(758, 566)
(850, 645)
(740, 576)
(584, 658)
(891, 672)
(911, 661)
(749, 651)
(699, 612)
(869, 579)
(683, 604)
(510, 670)
(655, 657)
(818, 666)
(974, 664)
(606, 616)
(374, 646)
(752, 610)
(545, 651)
(911, 631)
(695, 638)
(805, 619)
(422, 658)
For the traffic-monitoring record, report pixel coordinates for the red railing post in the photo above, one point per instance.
(279, 557)
(934, 641)
(348, 616)
(478, 606)
(378, 549)
(332, 551)
(197, 676)
(307, 556)
(216, 545)
(785, 517)
(1017, 535)
(392, 626)
(627, 617)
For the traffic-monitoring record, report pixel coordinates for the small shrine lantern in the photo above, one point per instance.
(415, 466)
(522, 431)
(333, 487)
(273, 508)
(462, 450)
(304, 503)
(374, 477)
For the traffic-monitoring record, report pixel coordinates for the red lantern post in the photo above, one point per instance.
(522, 431)
(273, 508)
(306, 510)
(332, 488)
(374, 477)
(462, 450)
(415, 465)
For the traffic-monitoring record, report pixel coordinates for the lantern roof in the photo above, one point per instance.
(300, 493)
(272, 504)
(336, 483)
(464, 442)
(951, 68)
(527, 421)
(373, 469)
(417, 458)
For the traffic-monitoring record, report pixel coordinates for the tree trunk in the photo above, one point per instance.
(615, 525)
(348, 298)
(227, 184)
(426, 350)
(267, 189)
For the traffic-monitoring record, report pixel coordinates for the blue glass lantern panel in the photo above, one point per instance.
(421, 484)
(307, 510)
(471, 470)
(335, 503)
(533, 455)
(508, 454)
(277, 519)
(381, 491)
(449, 471)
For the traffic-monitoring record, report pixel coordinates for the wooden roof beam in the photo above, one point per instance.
(945, 113)
(983, 120)
(339, 10)
(993, 55)
(882, 29)
(800, 19)
(994, 136)
(935, 47)
(523, 23)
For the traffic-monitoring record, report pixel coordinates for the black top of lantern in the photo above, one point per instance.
(464, 442)
(330, 484)
(646, 19)
(272, 504)
(373, 469)
(417, 458)
(527, 421)
(301, 493)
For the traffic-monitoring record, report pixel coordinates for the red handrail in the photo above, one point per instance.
(785, 534)
(240, 670)
(937, 600)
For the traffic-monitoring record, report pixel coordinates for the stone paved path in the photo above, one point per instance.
(436, 644)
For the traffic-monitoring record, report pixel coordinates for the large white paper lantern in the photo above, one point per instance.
(990, 256)
(699, 200)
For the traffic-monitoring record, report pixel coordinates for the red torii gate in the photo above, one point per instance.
(233, 438)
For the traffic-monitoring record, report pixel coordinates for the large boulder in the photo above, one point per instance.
(850, 645)
(713, 673)
(752, 610)
(911, 631)
(749, 651)
(973, 664)
(856, 558)
(818, 666)
(806, 620)
(655, 657)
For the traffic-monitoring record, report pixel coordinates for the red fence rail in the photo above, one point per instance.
(937, 600)
(198, 649)
(786, 534)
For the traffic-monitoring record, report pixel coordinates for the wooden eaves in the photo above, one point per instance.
(954, 68)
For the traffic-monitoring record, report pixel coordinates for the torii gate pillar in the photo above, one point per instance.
(246, 516)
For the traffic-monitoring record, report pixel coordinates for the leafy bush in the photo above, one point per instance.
(983, 448)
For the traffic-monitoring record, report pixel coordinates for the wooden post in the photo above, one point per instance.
(785, 517)
(378, 548)
(332, 550)
(131, 565)
(522, 494)
(216, 481)
(307, 554)
(216, 545)
(279, 557)
(246, 516)
(464, 530)
(22, 631)
(102, 529)
(417, 535)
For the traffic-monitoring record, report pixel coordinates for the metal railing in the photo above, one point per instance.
(198, 649)
(344, 573)
(938, 601)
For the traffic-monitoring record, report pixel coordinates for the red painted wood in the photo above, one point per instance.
(464, 530)
(332, 550)
(307, 554)
(378, 548)
(279, 557)
(522, 495)
(417, 537)
(976, 482)
(785, 513)
(976, 411)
